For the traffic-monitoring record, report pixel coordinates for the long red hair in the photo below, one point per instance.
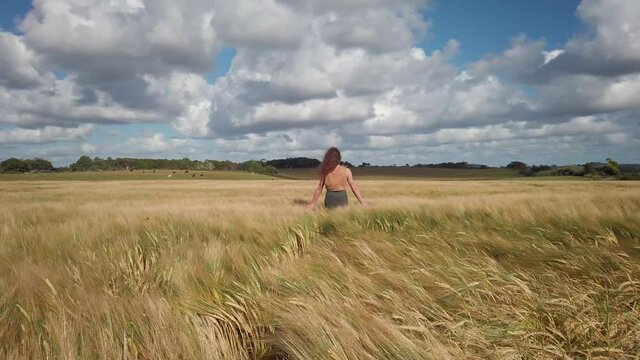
(329, 162)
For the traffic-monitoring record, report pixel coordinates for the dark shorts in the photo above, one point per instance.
(335, 199)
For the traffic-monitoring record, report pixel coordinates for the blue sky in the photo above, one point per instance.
(485, 26)
(500, 97)
(12, 10)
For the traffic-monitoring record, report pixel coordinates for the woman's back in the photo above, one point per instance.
(336, 180)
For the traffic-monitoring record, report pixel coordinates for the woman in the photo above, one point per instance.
(335, 178)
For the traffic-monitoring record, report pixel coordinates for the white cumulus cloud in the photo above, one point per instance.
(45, 134)
(311, 73)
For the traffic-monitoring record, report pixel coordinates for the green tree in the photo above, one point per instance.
(611, 167)
(589, 168)
(14, 165)
(84, 163)
(518, 165)
(251, 166)
(254, 166)
(269, 170)
(40, 164)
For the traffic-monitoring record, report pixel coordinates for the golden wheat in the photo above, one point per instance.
(239, 270)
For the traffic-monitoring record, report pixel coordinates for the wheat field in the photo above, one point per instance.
(239, 270)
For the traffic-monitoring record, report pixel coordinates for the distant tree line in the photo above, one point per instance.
(452, 165)
(14, 165)
(298, 163)
(293, 163)
(442, 165)
(86, 163)
(610, 168)
(254, 166)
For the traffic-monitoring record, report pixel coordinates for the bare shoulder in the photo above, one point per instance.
(347, 171)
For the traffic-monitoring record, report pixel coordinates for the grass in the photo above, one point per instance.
(239, 270)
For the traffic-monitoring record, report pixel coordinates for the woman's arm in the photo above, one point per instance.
(355, 188)
(316, 195)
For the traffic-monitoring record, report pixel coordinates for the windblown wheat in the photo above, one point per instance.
(225, 270)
